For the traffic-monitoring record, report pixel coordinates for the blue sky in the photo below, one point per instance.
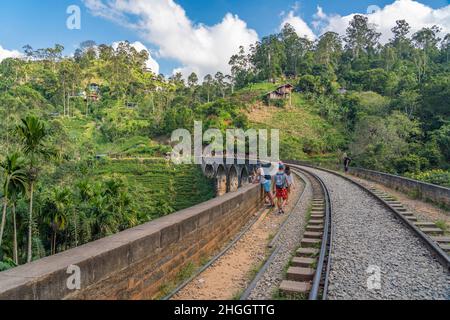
(42, 23)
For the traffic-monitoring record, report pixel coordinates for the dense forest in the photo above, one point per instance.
(83, 138)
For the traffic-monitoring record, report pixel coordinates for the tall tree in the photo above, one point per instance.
(328, 49)
(208, 83)
(220, 83)
(293, 49)
(56, 212)
(15, 175)
(425, 41)
(400, 41)
(240, 68)
(361, 37)
(445, 47)
(33, 134)
(269, 58)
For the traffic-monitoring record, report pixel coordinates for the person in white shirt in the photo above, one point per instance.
(266, 183)
(290, 182)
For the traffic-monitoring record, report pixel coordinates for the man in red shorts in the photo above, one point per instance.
(281, 188)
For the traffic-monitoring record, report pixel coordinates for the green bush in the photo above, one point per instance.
(410, 163)
(279, 103)
(436, 176)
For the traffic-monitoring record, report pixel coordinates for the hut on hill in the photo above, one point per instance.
(282, 92)
(93, 93)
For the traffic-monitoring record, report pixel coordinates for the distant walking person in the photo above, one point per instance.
(347, 162)
(290, 183)
(281, 188)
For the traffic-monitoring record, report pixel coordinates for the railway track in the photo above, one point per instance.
(376, 238)
(325, 266)
(429, 234)
(309, 269)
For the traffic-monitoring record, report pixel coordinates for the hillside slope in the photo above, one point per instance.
(304, 134)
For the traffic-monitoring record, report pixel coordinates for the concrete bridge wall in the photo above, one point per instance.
(421, 190)
(136, 263)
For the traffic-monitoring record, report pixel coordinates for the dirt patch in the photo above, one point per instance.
(228, 277)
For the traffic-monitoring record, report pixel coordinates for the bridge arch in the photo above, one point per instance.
(221, 180)
(209, 171)
(233, 179)
(244, 177)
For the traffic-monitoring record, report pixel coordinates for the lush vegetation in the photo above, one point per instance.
(83, 147)
(83, 138)
(386, 105)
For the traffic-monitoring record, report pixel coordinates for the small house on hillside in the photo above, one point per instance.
(281, 93)
(93, 92)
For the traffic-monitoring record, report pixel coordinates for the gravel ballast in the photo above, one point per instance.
(370, 240)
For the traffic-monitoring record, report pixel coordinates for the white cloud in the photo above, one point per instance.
(415, 13)
(300, 26)
(139, 46)
(4, 53)
(198, 47)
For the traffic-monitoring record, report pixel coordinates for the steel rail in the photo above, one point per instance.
(440, 254)
(322, 270)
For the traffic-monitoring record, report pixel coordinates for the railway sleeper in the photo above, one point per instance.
(443, 240)
(432, 231)
(300, 274)
(293, 288)
(313, 235)
(425, 224)
(316, 222)
(411, 218)
(310, 243)
(307, 252)
(303, 262)
(314, 228)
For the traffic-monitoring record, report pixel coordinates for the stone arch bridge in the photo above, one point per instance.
(229, 174)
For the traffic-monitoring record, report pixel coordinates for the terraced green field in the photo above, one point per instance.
(160, 187)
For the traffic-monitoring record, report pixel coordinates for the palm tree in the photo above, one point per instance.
(32, 133)
(15, 177)
(55, 213)
(15, 190)
(85, 194)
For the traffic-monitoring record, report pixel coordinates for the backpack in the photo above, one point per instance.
(280, 180)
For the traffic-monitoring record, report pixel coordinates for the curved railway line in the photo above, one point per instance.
(352, 243)
(378, 253)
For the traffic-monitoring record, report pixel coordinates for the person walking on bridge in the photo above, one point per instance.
(266, 183)
(290, 182)
(347, 162)
(281, 188)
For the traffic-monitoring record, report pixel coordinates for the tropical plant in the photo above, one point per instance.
(56, 212)
(32, 134)
(15, 180)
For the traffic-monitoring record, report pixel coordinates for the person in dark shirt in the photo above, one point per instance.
(347, 162)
